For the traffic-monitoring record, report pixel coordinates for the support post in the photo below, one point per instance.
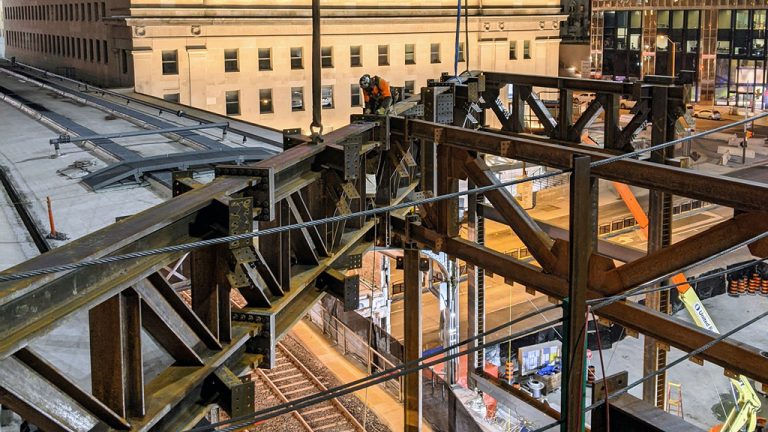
(659, 236)
(205, 294)
(574, 306)
(116, 360)
(412, 342)
(475, 284)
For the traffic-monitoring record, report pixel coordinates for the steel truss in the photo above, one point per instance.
(280, 276)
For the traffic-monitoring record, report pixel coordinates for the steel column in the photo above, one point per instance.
(659, 236)
(412, 342)
(575, 306)
(116, 360)
(475, 283)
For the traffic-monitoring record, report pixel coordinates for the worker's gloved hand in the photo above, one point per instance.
(381, 111)
(366, 111)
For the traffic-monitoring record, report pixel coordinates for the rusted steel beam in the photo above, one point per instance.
(57, 378)
(538, 243)
(605, 248)
(169, 338)
(447, 211)
(412, 341)
(109, 349)
(189, 317)
(575, 305)
(700, 246)
(734, 356)
(501, 78)
(735, 193)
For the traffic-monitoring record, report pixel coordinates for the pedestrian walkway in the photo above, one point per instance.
(386, 407)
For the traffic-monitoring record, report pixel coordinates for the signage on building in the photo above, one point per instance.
(586, 68)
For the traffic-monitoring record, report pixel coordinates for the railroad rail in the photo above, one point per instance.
(290, 380)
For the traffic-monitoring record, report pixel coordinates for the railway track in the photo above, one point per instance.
(290, 380)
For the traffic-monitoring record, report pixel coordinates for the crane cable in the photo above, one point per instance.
(458, 37)
(316, 128)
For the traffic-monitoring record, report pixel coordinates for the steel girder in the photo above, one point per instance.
(211, 339)
(733, 356)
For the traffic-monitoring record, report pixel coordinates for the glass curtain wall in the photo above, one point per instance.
(622, 44)
(740, 73)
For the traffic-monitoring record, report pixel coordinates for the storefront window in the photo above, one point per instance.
(723, 47)
(621, 38)
(692, 46)
(693, 19)
(677, 19)
(724, 20)
(742, 20)
(758, 20)
(636, 20)
(758, 47)
(634, 42)
(663, 19)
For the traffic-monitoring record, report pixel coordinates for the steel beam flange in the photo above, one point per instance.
(263, 340)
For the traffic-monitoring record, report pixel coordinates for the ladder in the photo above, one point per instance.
(674, 402)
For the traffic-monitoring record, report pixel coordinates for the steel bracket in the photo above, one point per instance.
(240, 220)
(263, 341)
(352, 147)
(181, 182)
(261, 187)
(236, 395)
(344, 287)
(354, 261)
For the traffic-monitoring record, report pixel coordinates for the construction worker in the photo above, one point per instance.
(376, 93)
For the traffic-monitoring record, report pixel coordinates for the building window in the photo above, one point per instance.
(231, 63)
(90, 49)
(434, 53)
(383, 55)
(410, 54)
(297, 58)
(724, 47)
(171, 97)
(355, 95)
(513, 50)
(265, 59)
(461, 52)
(98, 51)
(326, 57)
(106, 52)
(408, 88)
(355, 56)
(526, 49)
(170, 62)
(265, 101)
(232, 99)
(297, 98)
(327, 97)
